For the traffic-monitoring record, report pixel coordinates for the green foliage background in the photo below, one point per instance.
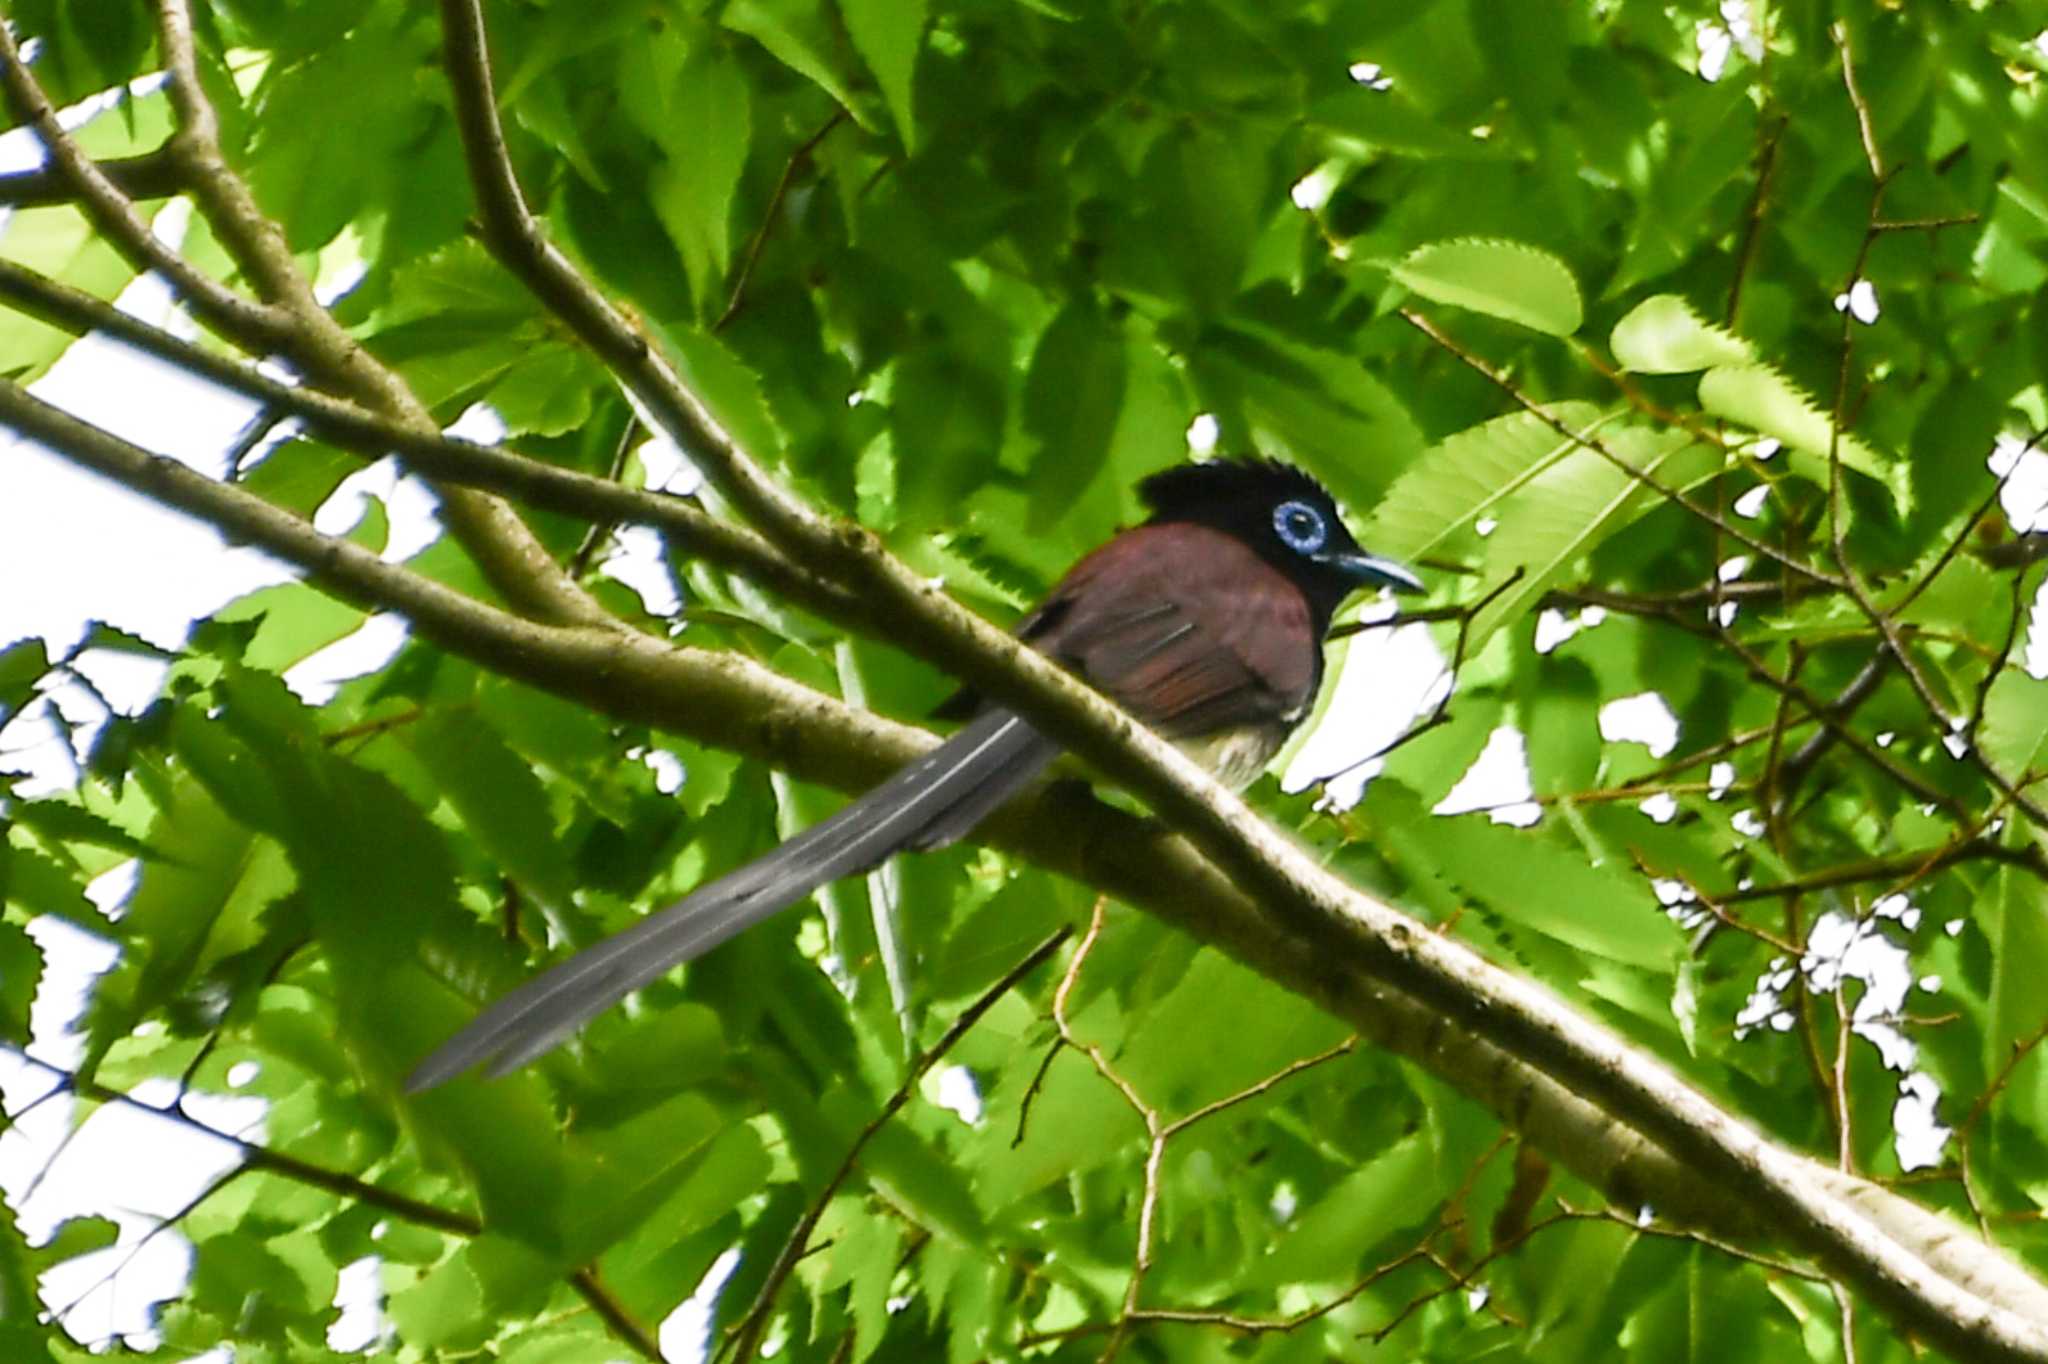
(1029, 243)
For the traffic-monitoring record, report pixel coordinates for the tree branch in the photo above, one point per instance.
(1300, 925)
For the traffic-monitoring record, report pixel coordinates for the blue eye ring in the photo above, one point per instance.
(1300, 527)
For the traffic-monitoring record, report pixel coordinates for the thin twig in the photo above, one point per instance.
(1593, 443)
(743, 1341)
(768, 216)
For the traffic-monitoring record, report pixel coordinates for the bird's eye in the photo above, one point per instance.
(1300, 527)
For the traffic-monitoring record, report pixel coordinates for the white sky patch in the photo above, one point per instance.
(1843, 950)
(669, 773)
(637, 560)
(1860, 302)
(1370, 75)
(1750, 505)
(316, 677)
(685, 1334)
(2024, 496)
(1387, 678)
(1313, 190)
(1203, 433)
(1720, 777)
(954, 1088)
(1498, 777)
(1553, 627)
(1644, 719)
(359, 1293)
(1662, 807)
(410, 507)
(1732, 569)
(1713, 44)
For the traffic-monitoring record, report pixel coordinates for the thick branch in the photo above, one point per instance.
(152, 175)
(515, 238)
(514, 561)
(446, 459)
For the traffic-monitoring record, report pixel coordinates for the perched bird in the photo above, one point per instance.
(1206, 622)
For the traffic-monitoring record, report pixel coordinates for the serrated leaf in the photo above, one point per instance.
(1554, 499)
(1570, 508)
(723, 382)
(888, 34)
(21, 971)
(2014, 919)
(1392, 1190)
(797, 35)
(1759, 397)
(2014, 733)
(22, 665)
(299, 475)
(708, 125)
(1508, 280)
(1470, 476)
(59, 243)
(1318, 407)
(66, 822)
(1072, 398)
(292, 623)
(1664, 335)
(1534, 883)
(501, 802)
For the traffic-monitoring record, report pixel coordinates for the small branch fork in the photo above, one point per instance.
(743, 1340)
(1159, 1130)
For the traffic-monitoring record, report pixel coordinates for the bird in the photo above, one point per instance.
(1206, 622)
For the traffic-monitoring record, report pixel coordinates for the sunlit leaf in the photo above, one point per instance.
(1508, 280)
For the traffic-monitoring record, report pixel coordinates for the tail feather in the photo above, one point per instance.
(927, 804)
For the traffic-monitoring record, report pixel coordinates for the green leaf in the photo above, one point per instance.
(1394, 1189)
(501, 802)
(1758, 396)
(1663, 335)
(462, 331)
(66, 822)
(2014, 733)
(188, 914)
(1072, 399)
(888, 34)
(22, 666)
(728, 386)
(798, 36)
(1318, 407)
(2014, 919)
(705, 128)
(299, 475)
(1530, 881)
(58, 243)
(21, 972)
(1508, 280)
(293, 622)
(1553, 499)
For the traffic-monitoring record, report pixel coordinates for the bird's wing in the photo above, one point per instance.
(1198, 634)
(921, 806)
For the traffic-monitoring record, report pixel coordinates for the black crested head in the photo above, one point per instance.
(1285, 515)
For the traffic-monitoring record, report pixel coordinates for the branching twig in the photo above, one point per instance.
(743, 1341)
(755, 243)
(1592, 442)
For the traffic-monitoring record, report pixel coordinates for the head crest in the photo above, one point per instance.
(1185, 488)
